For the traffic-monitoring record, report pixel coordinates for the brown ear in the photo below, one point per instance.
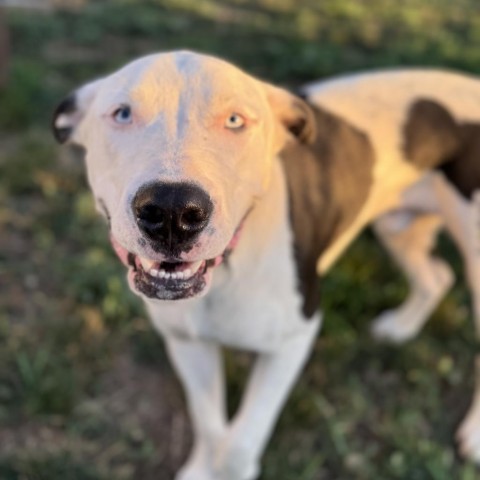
(294, 114)
(70, 112)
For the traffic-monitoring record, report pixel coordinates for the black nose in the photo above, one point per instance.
(172, 214)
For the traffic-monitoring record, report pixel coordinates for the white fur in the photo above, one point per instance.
(180, 101)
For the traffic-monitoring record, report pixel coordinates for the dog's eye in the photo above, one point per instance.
(235, 121)
(123, 115)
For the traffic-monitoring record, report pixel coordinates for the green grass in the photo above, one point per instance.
(86, 391)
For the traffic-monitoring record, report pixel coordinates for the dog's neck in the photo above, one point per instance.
(328, 184)
(267, 219)
(315, 193)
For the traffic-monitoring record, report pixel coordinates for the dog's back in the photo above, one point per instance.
(406, 112)
(415, 120)
(379, 101)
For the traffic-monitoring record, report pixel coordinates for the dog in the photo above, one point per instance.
(228, 198)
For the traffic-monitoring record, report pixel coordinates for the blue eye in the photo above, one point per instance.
(123, 115)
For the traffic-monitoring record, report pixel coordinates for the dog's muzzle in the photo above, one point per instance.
(171, 217)
(171, 280)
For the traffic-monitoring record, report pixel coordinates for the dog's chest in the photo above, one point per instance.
(255, 304)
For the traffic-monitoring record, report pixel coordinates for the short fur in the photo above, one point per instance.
(328, 183)
(291, 184)
(433, 139)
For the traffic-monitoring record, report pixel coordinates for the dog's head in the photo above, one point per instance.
(179, 146)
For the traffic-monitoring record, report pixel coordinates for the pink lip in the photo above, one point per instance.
(128, 258)
(170, 279)
(121, 252)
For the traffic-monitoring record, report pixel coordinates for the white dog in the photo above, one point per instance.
(227, 197)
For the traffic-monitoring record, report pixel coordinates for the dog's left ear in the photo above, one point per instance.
(69, 114)
(295, 115)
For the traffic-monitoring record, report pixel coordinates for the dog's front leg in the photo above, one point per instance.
(200, 368)
(270, 382)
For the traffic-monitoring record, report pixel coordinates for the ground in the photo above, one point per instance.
(86, 391)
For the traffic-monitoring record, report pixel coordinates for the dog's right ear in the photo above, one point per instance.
(69, 114)
(295, 118)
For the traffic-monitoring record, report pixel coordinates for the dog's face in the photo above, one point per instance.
(178, 148)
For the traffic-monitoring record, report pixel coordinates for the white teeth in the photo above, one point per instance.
(147, 264)
(195, 266)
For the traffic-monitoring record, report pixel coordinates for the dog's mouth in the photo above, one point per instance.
(171, 279)
(168, 280)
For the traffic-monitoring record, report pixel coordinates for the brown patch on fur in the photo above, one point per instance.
(434, 139)
(328, 183)
(431, 134)
(464, 169)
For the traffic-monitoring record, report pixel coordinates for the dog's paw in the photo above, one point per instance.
(404, 323)
(234, 469)
(468, 434)
(194, 473)
(197, 467)
(236, 462)
(390, 327)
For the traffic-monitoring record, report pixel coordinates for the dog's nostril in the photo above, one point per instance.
(193, 218)
(151, 214)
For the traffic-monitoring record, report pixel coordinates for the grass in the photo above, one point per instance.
(86, 391)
